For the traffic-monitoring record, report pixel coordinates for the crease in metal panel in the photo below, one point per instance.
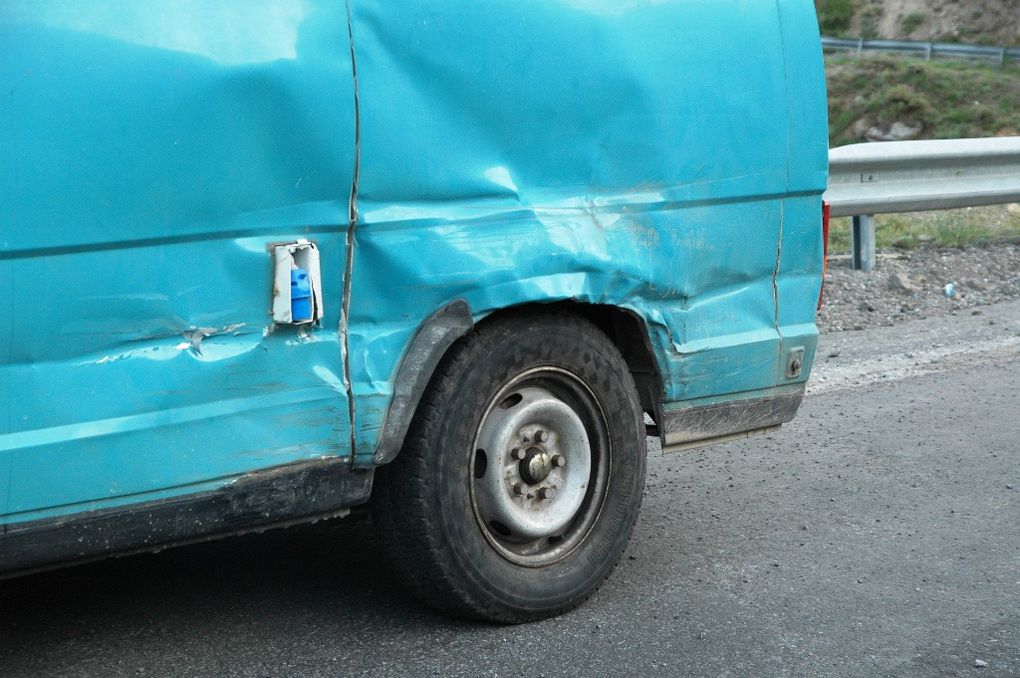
(352, 217)
(782, 203)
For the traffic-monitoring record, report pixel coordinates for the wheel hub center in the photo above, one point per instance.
(536, 466)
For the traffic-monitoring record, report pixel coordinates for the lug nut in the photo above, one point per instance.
(559, 461)
(519, 488)
(541, 436)
(517, 453)
(546, 493)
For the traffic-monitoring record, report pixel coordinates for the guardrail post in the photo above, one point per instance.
(862, 244)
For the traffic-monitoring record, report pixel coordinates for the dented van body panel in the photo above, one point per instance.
(611, 162)
(449, 160)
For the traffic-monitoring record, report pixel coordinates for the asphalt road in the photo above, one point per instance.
(877, 535)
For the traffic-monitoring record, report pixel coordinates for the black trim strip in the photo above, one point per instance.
(276, 497)
(437, 334)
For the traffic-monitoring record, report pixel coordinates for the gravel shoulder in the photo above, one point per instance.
(911, 285)
(897, 321)
(946, 342)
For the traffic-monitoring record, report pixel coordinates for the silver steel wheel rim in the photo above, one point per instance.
(540, 466)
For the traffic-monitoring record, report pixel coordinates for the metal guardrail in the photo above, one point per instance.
(917, 176)
(929, 50)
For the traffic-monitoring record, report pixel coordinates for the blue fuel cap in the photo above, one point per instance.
(300, 295)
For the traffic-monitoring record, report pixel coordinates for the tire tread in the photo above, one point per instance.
(407, 523)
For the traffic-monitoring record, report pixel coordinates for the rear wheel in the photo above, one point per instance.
(520, 482)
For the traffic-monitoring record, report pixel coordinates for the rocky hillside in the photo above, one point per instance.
(973, 21)
(885, 98)
(889, 99)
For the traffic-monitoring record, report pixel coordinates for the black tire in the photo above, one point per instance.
(432, 505)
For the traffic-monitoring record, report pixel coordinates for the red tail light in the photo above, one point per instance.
(826, 208)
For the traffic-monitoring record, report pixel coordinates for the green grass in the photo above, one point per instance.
(868, 22)
(835, 16)
(912, 22)
(946, 99)
(950, 229)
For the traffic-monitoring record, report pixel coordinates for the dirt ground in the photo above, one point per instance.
(993, 21)
(908, 285)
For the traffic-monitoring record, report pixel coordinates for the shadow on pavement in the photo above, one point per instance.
(329, 576)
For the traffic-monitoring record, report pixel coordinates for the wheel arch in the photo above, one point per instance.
(441, 330)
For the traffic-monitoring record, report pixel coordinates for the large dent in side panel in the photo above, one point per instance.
(609, 153)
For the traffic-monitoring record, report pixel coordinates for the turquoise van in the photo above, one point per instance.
(266, 261)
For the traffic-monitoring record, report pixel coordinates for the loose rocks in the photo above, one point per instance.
(900, 282)
(911, 286)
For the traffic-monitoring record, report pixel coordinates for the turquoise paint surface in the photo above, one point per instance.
(628, 153)
(624, 153)
(151, 153)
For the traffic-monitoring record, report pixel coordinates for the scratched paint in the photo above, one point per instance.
(620, 153)
(604, 152)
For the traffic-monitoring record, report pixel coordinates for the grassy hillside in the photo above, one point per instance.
(931, 100)
(941, 100)
(937, 100)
